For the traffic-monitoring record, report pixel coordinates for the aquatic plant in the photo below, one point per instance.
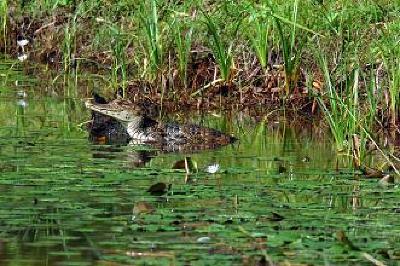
(182, 33)
(342, 112)
(374, 95)
(68, 47)
(386, 52)
(221, 50)
(259, 29)
(393, 67)
(119, 64)
(3, 21)
(283, 26)
(69, 51)
(154, 48)
(290, 50)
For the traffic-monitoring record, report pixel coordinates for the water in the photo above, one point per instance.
(280, 193)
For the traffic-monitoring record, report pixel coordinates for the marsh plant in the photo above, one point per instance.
(291, 52)
(221, 50)
(287, 27)
(119, 65)
(387, 48)
(340, 105)
(374, 96)
(154, 47)
(393, 67)
(3, 21)
(182, 33)
(259, 29)
(68, 47)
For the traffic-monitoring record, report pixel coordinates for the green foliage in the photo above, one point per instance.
(221, 50)
(393, 66)
(154, 48)
(291, 53)
(182, 33)
(386, 50)
(153, 30)
(259, 24)
(68, 46)
(374, 97)
(52, 4)
(342, 111)
(3, 21)
(61, 196)
(119, 67)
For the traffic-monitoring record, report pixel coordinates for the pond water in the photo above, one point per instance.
(281, 193)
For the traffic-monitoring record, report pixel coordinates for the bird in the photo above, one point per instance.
(21, 41)
(212, 169)
(159, 189)
(98, 99)
(22, 57)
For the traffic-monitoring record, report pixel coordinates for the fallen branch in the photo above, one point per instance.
(213, 83)
(373, 260)
(44, 27)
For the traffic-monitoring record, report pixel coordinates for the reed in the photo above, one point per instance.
(387, 48)
(221, 50)
(259, 29)
(68, 47)
(3, 22)
(341, 111)
(119, 66)
(393, 67)
(183, 41)
(149, 18)
(287, 26)
(374, 97)
(291, 52)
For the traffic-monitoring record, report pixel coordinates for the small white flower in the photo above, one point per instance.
(212, 169)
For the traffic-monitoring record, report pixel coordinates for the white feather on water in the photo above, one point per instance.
(212, 169)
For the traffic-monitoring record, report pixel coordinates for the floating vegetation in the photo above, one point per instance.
(310, 89)
(63, 197)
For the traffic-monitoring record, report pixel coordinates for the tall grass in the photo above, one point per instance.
(68, 56)
(68, 46)
(50, 4)
(258, 34)
(269, 24)
(389, 50)
(182, 33)
(341, 110)
(149, 18)
(374, 96)
(221, 50)
(119, 66)
(3, 21)
(393, 67)
(291, 52)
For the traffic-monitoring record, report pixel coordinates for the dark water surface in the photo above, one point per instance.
(281, 193)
